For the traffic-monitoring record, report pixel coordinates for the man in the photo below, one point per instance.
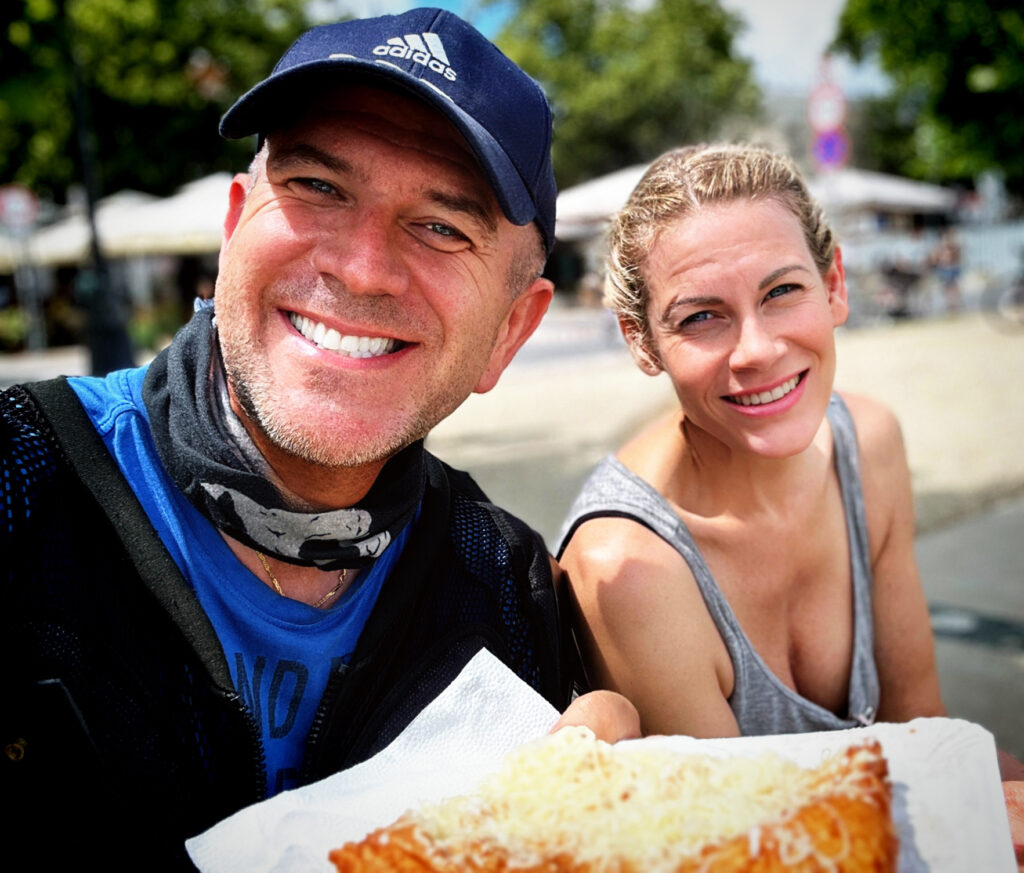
(237, 570)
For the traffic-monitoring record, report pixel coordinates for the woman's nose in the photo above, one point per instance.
(755, 346)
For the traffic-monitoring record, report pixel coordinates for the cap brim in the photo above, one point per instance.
(258, 109)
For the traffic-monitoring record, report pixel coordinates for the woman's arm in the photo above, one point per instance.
(646, 632)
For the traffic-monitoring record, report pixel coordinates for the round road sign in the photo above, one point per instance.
(19, 207)
(826, 107)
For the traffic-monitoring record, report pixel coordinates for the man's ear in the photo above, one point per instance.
(642, 356)
(236, 201)
(835, 284)
(526, 313)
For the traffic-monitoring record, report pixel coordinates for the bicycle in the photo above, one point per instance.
(1004, 303)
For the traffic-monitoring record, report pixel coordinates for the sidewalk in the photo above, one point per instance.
(31, 366)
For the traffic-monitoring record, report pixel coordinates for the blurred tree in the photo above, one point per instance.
(157, 75)
(957, 68)
(628, 80)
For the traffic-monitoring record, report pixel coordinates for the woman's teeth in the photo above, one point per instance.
(330, 339)
(777, 393)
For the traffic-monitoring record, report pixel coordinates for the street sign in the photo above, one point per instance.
(831, 149)
(19, 207)
(826, 107)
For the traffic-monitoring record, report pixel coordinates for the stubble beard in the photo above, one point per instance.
(256, 393)
(306, 442)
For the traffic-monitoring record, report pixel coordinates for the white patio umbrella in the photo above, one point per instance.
(131, 223)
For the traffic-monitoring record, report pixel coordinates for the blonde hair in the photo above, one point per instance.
(677, 185)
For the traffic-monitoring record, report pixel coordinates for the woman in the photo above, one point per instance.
(745, 565)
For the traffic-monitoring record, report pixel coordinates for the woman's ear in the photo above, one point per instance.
(835, 284)
(642, 356)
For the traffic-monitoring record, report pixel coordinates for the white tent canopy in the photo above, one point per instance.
(584, 210)
(852, 190)
(131, 223)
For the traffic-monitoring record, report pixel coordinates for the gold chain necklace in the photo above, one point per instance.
(342, 579)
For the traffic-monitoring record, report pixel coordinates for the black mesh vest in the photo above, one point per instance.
(122, 731)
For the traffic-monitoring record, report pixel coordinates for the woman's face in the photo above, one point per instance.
(742, 322)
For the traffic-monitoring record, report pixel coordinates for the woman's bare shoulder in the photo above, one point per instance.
(646, 628)
(879, 435)
(610, 548)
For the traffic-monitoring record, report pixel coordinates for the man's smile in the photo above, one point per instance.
(351, 346)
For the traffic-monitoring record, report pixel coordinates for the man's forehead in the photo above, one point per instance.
(396, 120)
(391, 113)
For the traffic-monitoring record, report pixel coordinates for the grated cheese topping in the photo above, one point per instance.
(605, 805)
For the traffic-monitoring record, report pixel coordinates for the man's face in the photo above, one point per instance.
(364, 282)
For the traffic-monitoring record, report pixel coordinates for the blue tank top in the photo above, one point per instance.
(281, 652)
(760, 701)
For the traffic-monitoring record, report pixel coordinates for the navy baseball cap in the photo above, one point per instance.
(499, 109)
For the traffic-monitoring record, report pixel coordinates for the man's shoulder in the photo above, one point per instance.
(461, 482)
(106, 398)
(479, 529)
(467, 493)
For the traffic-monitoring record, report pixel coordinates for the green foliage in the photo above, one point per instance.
(958, 73)
(13, 328)
(151, 327)
(629, 80)
(156, 75)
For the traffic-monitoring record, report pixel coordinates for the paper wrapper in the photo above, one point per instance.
(948, 804)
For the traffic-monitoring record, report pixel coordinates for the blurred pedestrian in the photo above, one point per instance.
(945, 262)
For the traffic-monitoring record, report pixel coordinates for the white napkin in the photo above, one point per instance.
(948, 803)
(462, 735)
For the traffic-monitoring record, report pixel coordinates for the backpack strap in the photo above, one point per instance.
(99, 473)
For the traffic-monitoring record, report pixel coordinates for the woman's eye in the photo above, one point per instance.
(780, 290)
(696, 318)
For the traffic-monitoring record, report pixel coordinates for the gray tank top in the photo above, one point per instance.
(761, 703)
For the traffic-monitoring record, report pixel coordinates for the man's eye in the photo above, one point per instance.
(444, 230)
(317, 185)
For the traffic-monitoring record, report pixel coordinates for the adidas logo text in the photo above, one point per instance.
(425, 49)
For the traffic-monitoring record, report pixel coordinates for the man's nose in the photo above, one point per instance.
(362, 256)
(756, 345)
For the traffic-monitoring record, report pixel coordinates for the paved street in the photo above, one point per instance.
(956, 384)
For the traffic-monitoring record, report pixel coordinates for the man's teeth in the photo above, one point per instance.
(330, 339)
(776, 393)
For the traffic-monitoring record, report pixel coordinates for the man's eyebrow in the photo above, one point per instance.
(467, 205)
(304, 154)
